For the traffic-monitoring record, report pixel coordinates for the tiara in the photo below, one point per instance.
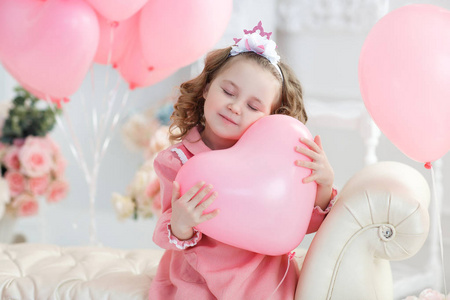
(260, 43)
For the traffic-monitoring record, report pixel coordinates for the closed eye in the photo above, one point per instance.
(227, 93)
(252, 107)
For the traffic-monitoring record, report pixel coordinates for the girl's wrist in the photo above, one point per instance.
(182, 234)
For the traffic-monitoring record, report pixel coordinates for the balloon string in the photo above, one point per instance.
(114, 122)
(439, 227)
(289, 257)
(111, 41)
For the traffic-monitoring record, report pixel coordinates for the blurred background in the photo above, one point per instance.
(321, 40)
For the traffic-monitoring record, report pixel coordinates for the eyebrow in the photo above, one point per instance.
(235, 86)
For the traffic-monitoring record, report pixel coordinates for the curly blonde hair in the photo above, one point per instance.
(188, 110)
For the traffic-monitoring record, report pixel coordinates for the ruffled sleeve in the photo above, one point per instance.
(319, 214)
(166, 165)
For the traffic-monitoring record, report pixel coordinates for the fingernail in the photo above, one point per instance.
(298, 148)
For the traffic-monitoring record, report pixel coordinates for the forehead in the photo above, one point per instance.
(250, 75)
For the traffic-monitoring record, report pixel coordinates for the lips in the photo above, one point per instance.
(229, 120)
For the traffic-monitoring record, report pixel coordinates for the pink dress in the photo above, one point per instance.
(203, 268)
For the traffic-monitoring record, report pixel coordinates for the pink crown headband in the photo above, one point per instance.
(260, 43)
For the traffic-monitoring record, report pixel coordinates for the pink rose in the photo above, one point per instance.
(38, 185)
(19, 142)
(57, 190)
(16, 182)
(11, 158)
(25, 205)
(59, 165)
(156, 205)
(35, 160)
(153, 187)
(430, 294)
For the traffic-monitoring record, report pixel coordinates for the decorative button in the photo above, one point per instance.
(386, 232)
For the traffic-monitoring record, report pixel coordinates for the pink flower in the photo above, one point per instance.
(57, 190)
(35, 158)
(38, 185)
(11, 158)
(25, 205)
(430, 294)
(156, 205)
(153, 188)
(59, 165)
(16, 182)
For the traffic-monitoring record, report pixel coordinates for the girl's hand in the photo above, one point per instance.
(322, 172)
(187, 211)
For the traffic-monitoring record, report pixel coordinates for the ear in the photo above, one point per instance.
(206, 90)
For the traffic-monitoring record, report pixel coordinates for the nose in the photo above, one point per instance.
(234, 107)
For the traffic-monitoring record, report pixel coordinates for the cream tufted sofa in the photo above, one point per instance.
(381, 215)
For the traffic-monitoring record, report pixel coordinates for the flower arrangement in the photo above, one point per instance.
(429, 294)
(148, 132)
(31, 162)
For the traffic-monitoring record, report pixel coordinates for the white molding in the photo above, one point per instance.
(332, 15)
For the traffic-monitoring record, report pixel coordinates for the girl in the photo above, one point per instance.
(237, 86)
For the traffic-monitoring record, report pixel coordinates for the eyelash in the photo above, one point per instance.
(252, 108)
(249, 106)
(225, 91)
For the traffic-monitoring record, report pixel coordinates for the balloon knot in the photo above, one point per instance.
(132, 86)
(114, 24)
(151, 68)
(291, 255)
(428, 165)
(114, 65)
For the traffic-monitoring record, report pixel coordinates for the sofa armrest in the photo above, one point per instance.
(36, 271)
(381, 214)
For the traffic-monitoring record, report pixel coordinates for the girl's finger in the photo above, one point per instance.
(318, 141)
(310, 143)
(200, 195)
(306, 164)
(309, 179)
(209, 216)
(193, 191)
(175, 191)
(205, 204)
(308, 152)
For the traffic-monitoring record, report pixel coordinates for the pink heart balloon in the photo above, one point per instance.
(48, 45)
(117, 10)
(264, 206)
(404, 72)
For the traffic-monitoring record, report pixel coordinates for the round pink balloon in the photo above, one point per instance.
(48, 45)
(134, 68)
(117, 10)
(404, 72)
(264, 206)
(176, 33)
(114, 38)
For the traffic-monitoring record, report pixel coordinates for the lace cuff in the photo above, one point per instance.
(186, 243)
(330, 204)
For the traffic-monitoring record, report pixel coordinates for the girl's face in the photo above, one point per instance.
(239, 95)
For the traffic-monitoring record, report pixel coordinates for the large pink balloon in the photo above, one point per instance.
(114, 39)
(404, 72)
(176, 33)
(264, 206)
(48, 45)
(117, 10)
